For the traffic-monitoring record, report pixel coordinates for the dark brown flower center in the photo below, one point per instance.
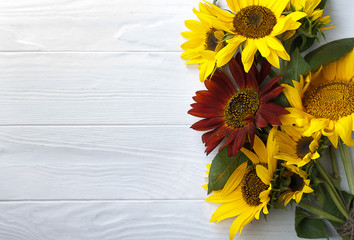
(245, 101)
(252, 186)
(296, 183)
(254, 22)
(330, 100)
(211, 41)
(303, 146)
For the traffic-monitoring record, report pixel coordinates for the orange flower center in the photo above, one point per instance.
(330, 100)
(252, 186)
(243, 103)
(254, 22)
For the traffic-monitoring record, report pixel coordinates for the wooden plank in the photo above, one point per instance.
(96, 88)
(133, 162)
(89, 25)
(176, 220)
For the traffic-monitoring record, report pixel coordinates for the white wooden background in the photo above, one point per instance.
(95, 141)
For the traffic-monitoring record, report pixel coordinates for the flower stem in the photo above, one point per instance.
(320, 212)
(334, 163)
(332, 190)
(347, 163)
(214, 2)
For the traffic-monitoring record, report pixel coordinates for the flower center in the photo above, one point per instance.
(252, 186)
(330, 100)
(303, 146)
(211, 41)
(245, 101)
(254, 22)
(296, 183)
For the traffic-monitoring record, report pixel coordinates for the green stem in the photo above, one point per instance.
(334, 163)
(347, 163)
(214, 2)
(320, 212)
(332, 190)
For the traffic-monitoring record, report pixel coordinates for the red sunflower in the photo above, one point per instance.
(232, 113)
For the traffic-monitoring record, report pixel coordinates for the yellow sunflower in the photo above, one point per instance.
(299, 184)
(309, 7)
(246, 193)
(295, 148)
(255, 23)
(324, 101)
(204, 41)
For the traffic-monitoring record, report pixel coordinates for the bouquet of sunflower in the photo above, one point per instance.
(272, 112)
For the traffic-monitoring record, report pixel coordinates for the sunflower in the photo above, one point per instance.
(246, 193)
(309, 7)
(299, 184)
(234, 113)
(204, 41)
(255, 23)
(295, 148)
(324, 101)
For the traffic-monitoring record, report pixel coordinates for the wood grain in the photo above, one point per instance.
(130, 220)
(135, 25)
(128, 162)
(96, 88)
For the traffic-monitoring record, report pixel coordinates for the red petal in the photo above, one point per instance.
(221, 77)
(248, 118)
(206, 96)
(264, 70)
(238, 142)
(272, 94)
(212, 146)
(260, 121)
(269, 85)
(270, 112)
(208, 124)
(252, 76)
(237, 71)
(206, 112)
(251, 133)
(273, 108)
(230, 138)
(215, 137)
(206, 105)
(216, 134)
(217, 90)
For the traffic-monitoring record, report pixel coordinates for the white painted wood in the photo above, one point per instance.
(130, 220)
(94, 137)
(105, 25)
(129, 162)
(96, 88)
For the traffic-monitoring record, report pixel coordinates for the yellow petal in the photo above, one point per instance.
(262, 46)
(251, 156)
(260, 150)
(263, 174)
(225, 54)
(248, 54)
(274, 43)
(273, 59)
(235, 179)
(316, 125)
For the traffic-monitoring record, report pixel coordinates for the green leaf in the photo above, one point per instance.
(303, 43)
(329, 52)
(222, 167)
(296, 67)
(308, 225)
